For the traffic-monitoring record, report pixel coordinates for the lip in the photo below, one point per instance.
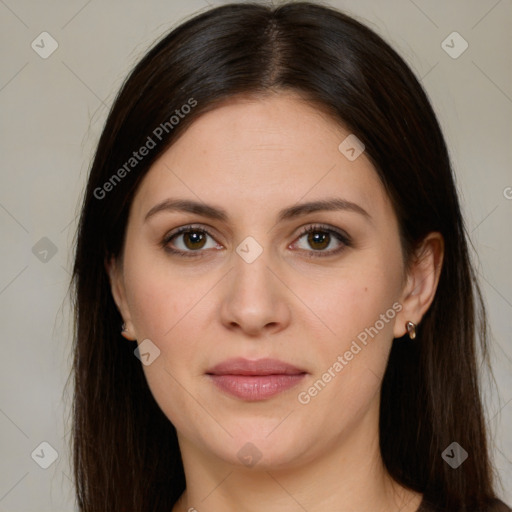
(255, 380)
(266, 366)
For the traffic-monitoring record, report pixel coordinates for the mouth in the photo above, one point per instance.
(255, 380)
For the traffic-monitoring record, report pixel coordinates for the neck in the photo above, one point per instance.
(348, 475)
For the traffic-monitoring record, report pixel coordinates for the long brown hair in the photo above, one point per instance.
(126, 454)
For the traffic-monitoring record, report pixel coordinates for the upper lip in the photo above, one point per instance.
(266, 366)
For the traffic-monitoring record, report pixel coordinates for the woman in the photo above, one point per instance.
(271, 222)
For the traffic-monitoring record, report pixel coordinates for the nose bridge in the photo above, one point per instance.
(253, 299)
(251, 260)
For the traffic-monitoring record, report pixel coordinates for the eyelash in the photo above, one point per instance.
(339, 235)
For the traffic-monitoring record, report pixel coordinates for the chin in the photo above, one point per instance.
(263, 446)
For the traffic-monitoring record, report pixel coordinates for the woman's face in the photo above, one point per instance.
(246, 282)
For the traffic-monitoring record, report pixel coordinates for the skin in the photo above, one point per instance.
(252, 157)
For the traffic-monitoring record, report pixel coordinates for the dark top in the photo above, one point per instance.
(494, 506)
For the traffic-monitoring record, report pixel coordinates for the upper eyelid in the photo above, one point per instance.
(188, 227)
(340, 235)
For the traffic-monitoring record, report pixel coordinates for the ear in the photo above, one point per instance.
(115, 273)
(421, 282)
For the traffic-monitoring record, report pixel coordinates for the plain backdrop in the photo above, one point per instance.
(52, 112)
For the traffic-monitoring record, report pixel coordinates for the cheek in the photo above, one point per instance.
(159, 295)
(153, 306)
(166, 308)
(359, 307)
(357, 299)
(173, 308)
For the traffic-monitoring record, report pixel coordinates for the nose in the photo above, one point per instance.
(254, 298)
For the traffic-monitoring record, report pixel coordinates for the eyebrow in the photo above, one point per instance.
(216, 213)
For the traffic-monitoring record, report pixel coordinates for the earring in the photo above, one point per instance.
(411, 329)
(123, 327)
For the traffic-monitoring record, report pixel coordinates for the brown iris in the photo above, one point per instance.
(318, 237)
(196, 239)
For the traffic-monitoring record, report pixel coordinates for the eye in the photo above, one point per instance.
(320, 237)
(190, 241)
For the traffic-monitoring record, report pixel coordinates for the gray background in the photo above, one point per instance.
(52, 112)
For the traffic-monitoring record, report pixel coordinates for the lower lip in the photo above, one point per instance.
(256, 387)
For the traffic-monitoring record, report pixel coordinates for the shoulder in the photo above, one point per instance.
(495, 505)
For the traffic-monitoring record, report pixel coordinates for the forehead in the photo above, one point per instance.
(253, 152)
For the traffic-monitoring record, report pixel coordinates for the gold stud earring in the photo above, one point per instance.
(411, 329)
